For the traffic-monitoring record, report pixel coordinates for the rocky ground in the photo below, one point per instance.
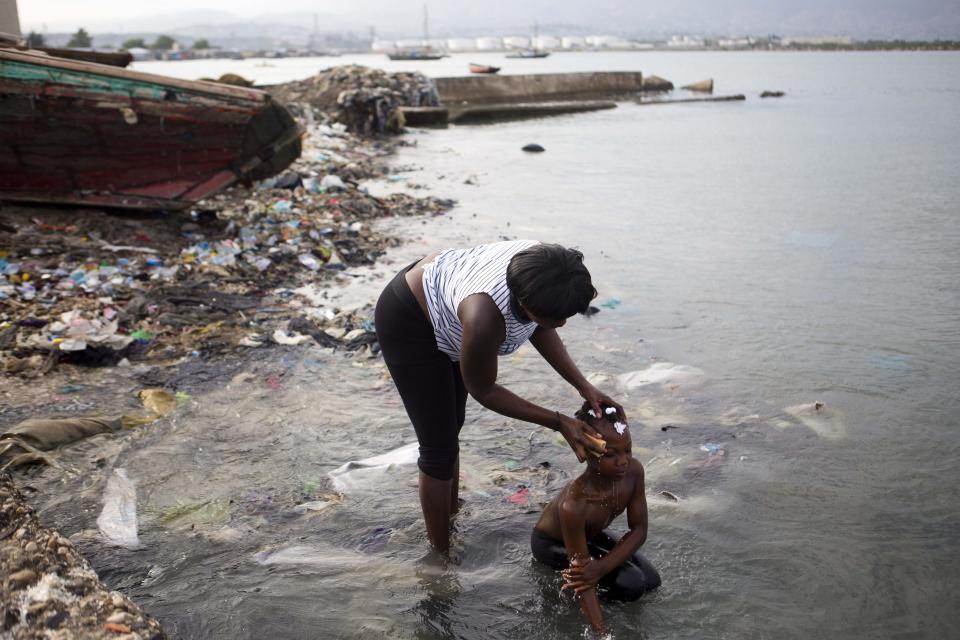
(49, 591)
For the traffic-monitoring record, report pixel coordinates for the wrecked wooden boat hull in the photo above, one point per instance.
(83, 133)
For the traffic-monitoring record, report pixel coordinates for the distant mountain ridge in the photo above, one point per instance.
(917, 19)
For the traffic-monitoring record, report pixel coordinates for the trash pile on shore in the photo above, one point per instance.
(367, 101)
(49, 589)
(93, 288)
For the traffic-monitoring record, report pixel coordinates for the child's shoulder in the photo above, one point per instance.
(571, 499)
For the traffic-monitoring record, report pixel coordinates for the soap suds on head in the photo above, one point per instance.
(609, 410)
(592, 413)
(620, 427)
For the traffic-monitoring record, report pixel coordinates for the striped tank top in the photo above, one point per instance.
(458, 273)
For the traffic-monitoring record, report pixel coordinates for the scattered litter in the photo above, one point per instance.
(711, 448)
(520, 496)
(362, 100)
(282, 337)
(669, 495)
(332, 183)
(612, 303)
(88, 290)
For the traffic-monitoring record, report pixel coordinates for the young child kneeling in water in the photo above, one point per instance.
(570, 534)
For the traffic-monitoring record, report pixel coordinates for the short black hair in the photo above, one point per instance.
(551, 281)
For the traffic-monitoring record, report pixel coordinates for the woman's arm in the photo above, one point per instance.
(483, 332)
(548, 343)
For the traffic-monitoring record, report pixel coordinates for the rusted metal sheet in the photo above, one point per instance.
(75, 132)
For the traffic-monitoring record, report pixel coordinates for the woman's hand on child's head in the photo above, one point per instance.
(582, 575)
(575, 432)
(598, 399)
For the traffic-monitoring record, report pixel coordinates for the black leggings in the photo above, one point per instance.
(627, 582)
(429, 383)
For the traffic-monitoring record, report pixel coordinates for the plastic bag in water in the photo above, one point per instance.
(118, 519)
(368, 474)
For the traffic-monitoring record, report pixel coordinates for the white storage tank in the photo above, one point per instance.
(489, 44)
(461, 44)
(573, 42)
(546, 42)
(516, 42)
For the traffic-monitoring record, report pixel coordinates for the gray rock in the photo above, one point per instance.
(533, 148)
(23, 577)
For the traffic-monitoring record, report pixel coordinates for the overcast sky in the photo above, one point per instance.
(859, 18)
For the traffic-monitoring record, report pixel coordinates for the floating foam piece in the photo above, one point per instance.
(659, 373)
(370, 567)
(118, 519)
(825, 421)
(366, 474)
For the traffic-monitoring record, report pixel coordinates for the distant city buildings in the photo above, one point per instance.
(181, 46)
(685, 42)
(817, 40)
(506, 43)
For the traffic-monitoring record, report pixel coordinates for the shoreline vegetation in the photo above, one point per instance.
(95, 301)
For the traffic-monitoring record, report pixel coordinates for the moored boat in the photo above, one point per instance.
(483, 68)
(528, 53)
(84, 133)
(416, 54)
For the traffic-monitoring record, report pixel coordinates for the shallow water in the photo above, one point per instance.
(795, 250)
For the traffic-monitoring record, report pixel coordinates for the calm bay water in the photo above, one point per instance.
(792, 251)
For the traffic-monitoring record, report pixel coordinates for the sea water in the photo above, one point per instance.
(779, 315)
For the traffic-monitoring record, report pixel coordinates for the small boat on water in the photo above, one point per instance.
(416, 54)
(483, 68)
(84, 133)
(425, 53)
(528, 53)
(532, 52)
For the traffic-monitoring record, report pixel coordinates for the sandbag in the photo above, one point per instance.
(50, 433)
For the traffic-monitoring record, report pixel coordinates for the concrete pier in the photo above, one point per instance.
(518, 110)
(538, 87)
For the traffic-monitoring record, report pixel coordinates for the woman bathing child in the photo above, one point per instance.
(570, 534)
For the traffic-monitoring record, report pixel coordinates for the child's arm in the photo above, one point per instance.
(573, 525)
(588, 576)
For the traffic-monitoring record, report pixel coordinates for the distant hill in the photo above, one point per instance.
(914, 19)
